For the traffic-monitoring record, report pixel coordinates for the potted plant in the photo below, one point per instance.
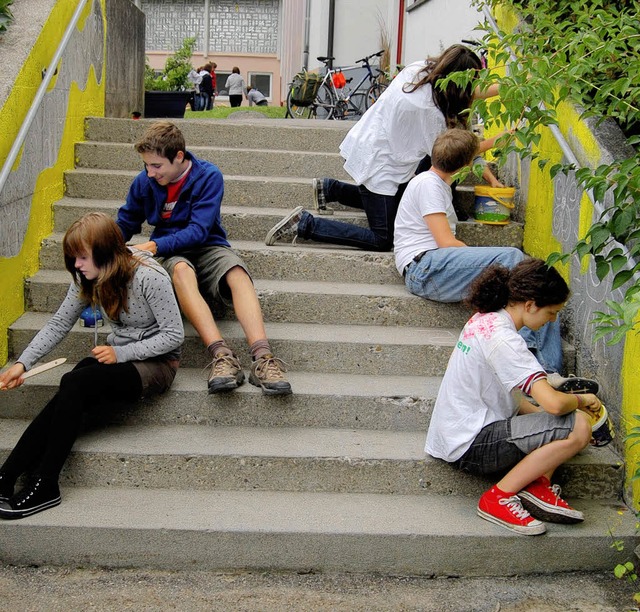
(166, 94)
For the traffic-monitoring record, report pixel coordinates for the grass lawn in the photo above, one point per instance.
(222, 112)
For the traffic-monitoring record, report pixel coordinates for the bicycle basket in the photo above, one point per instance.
(304, 88)
(339, 80)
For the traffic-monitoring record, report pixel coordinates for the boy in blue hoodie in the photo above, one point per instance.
(180, 196)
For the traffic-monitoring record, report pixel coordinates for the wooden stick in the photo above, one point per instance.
(41, 368)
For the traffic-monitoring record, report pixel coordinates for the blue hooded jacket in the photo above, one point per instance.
(195, 220)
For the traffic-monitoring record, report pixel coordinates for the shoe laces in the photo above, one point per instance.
(270, 368)
(289, 231)
(514, 506)
(556, 490)
(222, 364)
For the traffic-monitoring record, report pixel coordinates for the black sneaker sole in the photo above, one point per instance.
(579, 385)
(227, 384)
(545, 514)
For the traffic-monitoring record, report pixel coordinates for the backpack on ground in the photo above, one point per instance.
(304, 88)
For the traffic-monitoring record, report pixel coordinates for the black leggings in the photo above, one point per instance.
(46, 443)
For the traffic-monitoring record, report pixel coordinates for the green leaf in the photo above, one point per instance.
(602, 269)
(621, 278)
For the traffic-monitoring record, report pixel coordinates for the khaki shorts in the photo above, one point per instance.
(210, 265)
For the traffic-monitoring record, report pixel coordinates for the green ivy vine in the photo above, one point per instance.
(6, 17)
(585, 52)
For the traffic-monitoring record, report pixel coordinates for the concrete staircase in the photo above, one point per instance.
(332, 478)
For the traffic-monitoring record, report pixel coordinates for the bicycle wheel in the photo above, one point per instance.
(374, 92)
(298, 112)
(324, 106)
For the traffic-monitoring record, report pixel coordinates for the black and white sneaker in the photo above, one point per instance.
(573, 384)
(38, 495)
(286, 229)
(6, 487)
(319, 198)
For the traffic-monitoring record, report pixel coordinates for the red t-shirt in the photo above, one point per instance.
(173, 192)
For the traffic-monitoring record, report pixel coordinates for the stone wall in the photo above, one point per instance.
(557, 213)
(124, 83)
(36, 179)
(236, 26)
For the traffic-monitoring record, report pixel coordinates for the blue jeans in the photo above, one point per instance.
(444, 275)
(380, 210)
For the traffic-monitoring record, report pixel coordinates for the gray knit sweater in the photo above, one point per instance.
(152, 327)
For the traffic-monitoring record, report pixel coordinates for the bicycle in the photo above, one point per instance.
(333, 102)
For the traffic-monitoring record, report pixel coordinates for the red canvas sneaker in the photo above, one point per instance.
(542, 500)
(507, 511)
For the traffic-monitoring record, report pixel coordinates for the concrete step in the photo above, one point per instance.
(308, 262)
(312, 459)
(246, 222)
(336, 400)
(235, 161)
(242, 190)
(304, 261)
(226, 530)
(354, 349)
(290, 135)
(299, 302)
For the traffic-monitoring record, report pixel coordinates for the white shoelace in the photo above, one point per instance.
(556, 490)
(515, 506)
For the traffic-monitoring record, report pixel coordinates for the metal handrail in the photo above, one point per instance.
(42, 90)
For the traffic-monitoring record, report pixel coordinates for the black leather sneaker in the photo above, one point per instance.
(6, 487)
(38, 495)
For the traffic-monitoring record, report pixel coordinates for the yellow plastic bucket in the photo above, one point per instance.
(602, 431)
(493, 204)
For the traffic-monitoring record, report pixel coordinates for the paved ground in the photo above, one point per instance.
(53, 589)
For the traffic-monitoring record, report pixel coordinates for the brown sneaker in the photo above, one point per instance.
(226, 373)
(268, 372)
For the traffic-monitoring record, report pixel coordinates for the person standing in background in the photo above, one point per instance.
(214, 82)
(236, 87)
(206, 87)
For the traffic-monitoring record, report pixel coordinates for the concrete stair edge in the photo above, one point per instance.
(400, 535)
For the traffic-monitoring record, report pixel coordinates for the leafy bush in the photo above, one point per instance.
(176, 69)
(585, 52)
(5, 14)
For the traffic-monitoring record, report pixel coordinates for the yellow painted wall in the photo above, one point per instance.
(540, 242)
(49, 187)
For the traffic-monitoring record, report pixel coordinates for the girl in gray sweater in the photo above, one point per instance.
(140, 358)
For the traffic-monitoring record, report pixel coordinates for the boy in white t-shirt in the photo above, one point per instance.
(434, 263)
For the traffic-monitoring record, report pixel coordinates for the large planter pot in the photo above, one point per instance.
(165, 103)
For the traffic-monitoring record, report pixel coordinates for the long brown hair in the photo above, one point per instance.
(96, 234)
(453, 100)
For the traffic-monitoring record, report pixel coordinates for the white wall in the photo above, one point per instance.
(357, 28)
(436, 25)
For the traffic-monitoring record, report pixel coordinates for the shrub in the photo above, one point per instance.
(176, 69)
(585, 52)
(6, 17)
